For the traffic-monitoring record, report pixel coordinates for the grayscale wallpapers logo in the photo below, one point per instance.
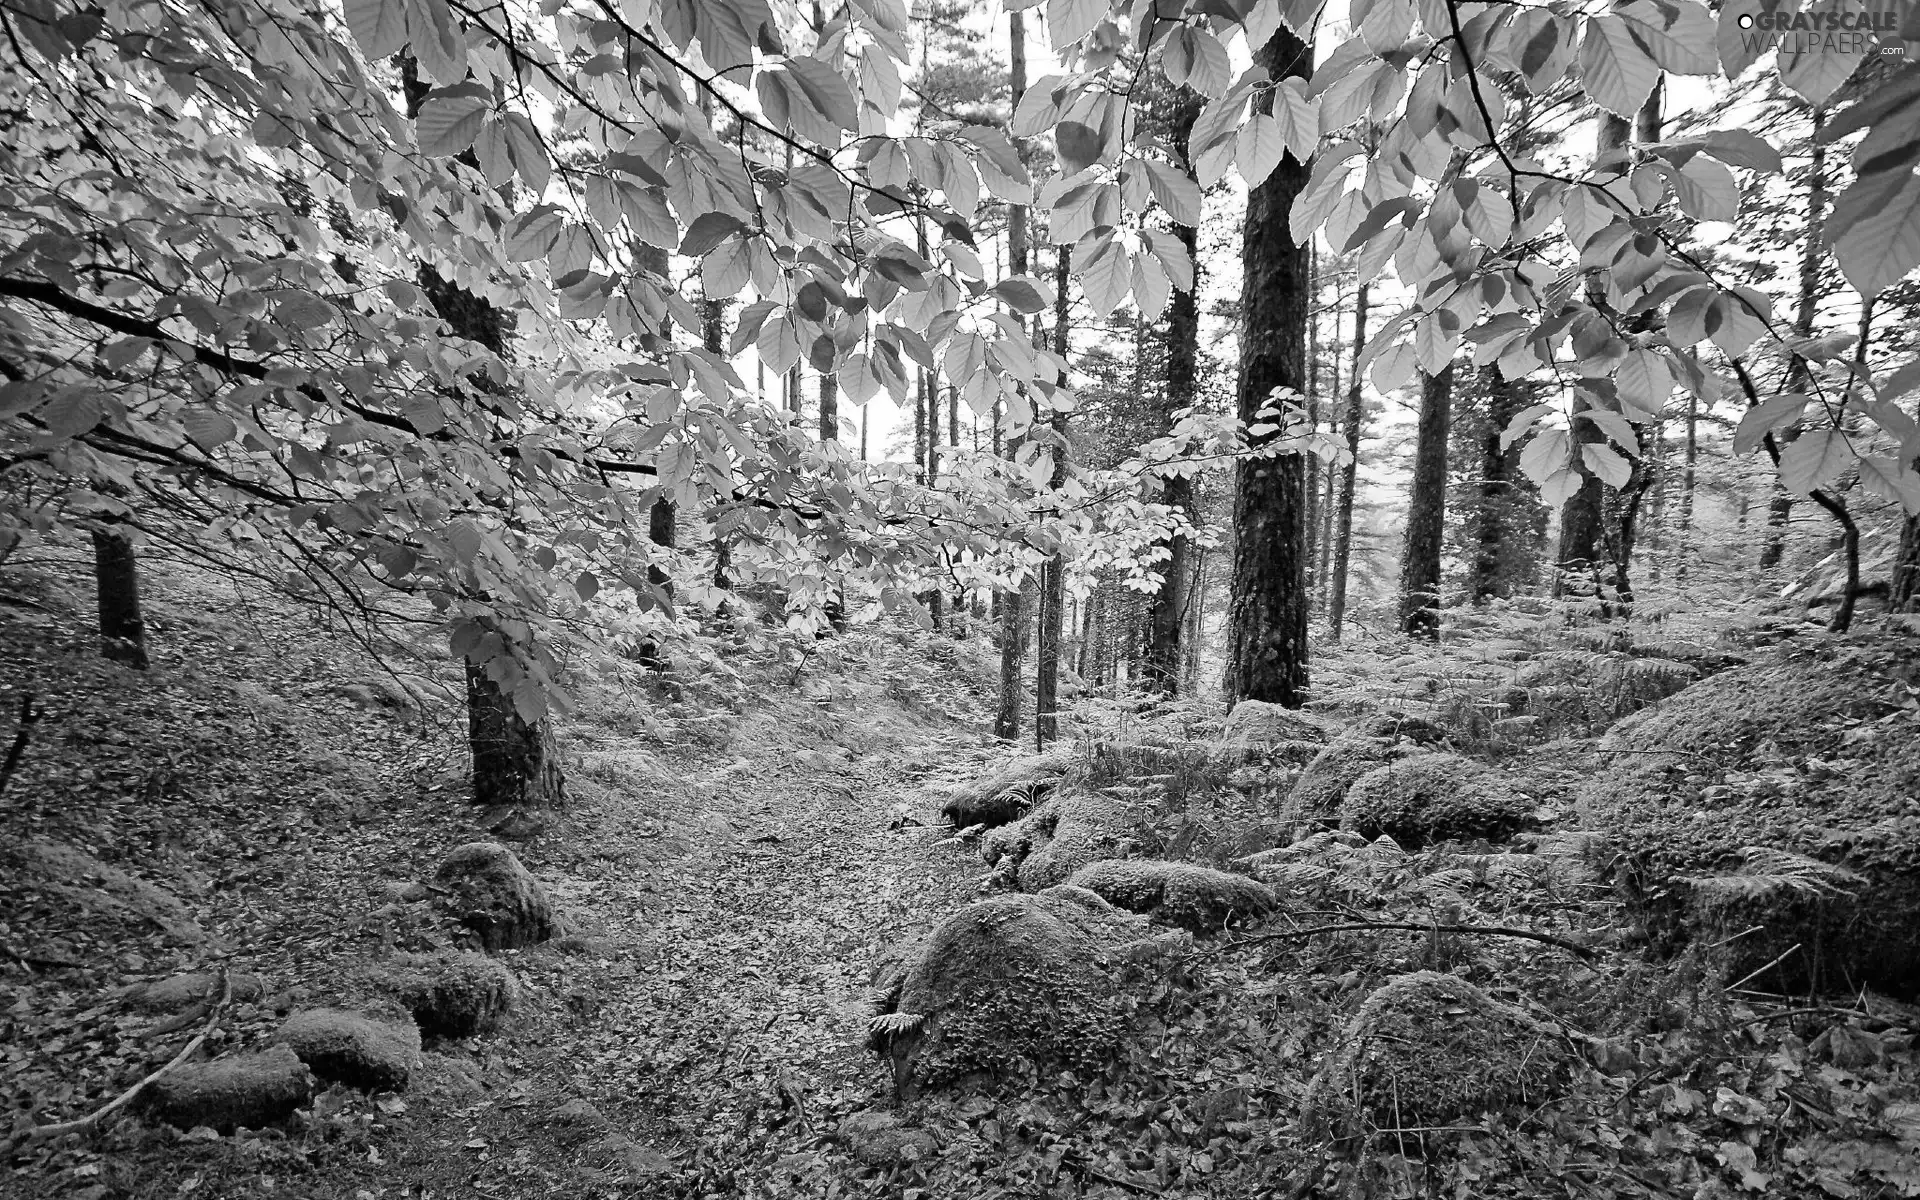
(1828, 32)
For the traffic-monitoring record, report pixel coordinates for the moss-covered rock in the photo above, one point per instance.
(1066, 832)
(1198, 899)
(1429, 1049)
(1258, 723)
(354, 1049)
(242, 1090)
(881, 1139)
(485, 887)
(1434, 798)
(1007, 794)
(177, 992)
(1783, 795)
(452, 994)
(1013, 980)
(1323, 783)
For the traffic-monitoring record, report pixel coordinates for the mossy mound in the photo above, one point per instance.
(1007, 794)
(1428, 1049)
(1257, 723)
(354, 1049)
(177, 992)
(244, 1090)
(1197, 899)
(453, 994)
(1066, 832)
(485, 887)
(1783, 795)
(1003, 983)
(1434, 798)
(1323, 784)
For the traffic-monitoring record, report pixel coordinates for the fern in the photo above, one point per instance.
(1771, 873)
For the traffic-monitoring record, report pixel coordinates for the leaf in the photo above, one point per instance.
(1707, 190)
(73, 413)
(380, 26)
(1875, 232)
(1618, 74)
(1106, 276)
(447, 125)
(1175, 191)
(1816, 65)
(1679, 34)
(1079, 146)
(1740, 148)
(1644, 381)
(1617, 428)
(1606, 463)
(209, 428)
(1545, 455)
(1298, 118)
(1393, 367)
(1070, 20)
(1258, 148)
(1020, 295)
(825, 91)
(1377, 219)
(1773, 413)
(707, 231)
(1196, 59)
(1816, 457)
(586, 585)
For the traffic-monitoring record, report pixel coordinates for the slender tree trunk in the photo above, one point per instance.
(1806, 308)
(1690, 455)
(1313, 416)
(1166, 615)
(1053, 576)
(1324, 506)
(1349, 475)
(1903, 595)
(1427, 511)
(515, 762)
(1013, 605)
(116, 582)
(1267, 654)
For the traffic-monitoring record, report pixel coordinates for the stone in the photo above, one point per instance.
(177, 992)
(880, 1139)
(1322, 785)
(1010, 980)
(1198, 899)
(486, 888)
(1007, 794)
(451, 994)
(1428, 798)
(354, 1049)
(1258, 723)
(1431, 1049)
(240, 1091)
(577, 1121)
(1070, 829)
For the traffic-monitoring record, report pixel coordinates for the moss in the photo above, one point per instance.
(354, 1049)
(487, 889)
(1198, 899)
(1428, 1049)
(1069, 830)
(1434, 798)
(1007, 982)
(1323, 784)
(1807, 756)
(1257, 723)
(245, 1090)
(1008, 793)
(453, 994)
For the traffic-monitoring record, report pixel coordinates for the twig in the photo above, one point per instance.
(40, 1133)
(29, 717)
(1752, 975)
(1585, 952)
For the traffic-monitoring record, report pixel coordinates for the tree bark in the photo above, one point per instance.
(1013, 605)
(1167, 614)
(1053, 576)
(1806, 308)
(1427, 511)
(116, 582)
(1267, 653)
(1349, 476)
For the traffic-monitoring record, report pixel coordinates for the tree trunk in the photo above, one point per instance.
(1313, 416)
(1267, 654)
(1167, 614)
(1427, 511)
(1013, 606)
(1806, 308)
(116, 582)
(1053, 576)
(1903, 595)
(1349, 476)
(514, 760)
(1684, 519)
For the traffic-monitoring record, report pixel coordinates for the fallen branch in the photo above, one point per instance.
(1586, 952)
(29, 717)
(40, 1133)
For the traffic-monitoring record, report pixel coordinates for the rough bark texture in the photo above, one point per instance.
(1167, 614)
(1267, 651)
(116, 580)
(1799, 379)
(1904, 595)
(1013, 606)
(1427, 511)
(1349, 475)
(1053, 577)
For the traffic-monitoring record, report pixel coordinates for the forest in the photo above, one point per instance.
(971, 599)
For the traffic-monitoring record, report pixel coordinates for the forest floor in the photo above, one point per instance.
(742, 847)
